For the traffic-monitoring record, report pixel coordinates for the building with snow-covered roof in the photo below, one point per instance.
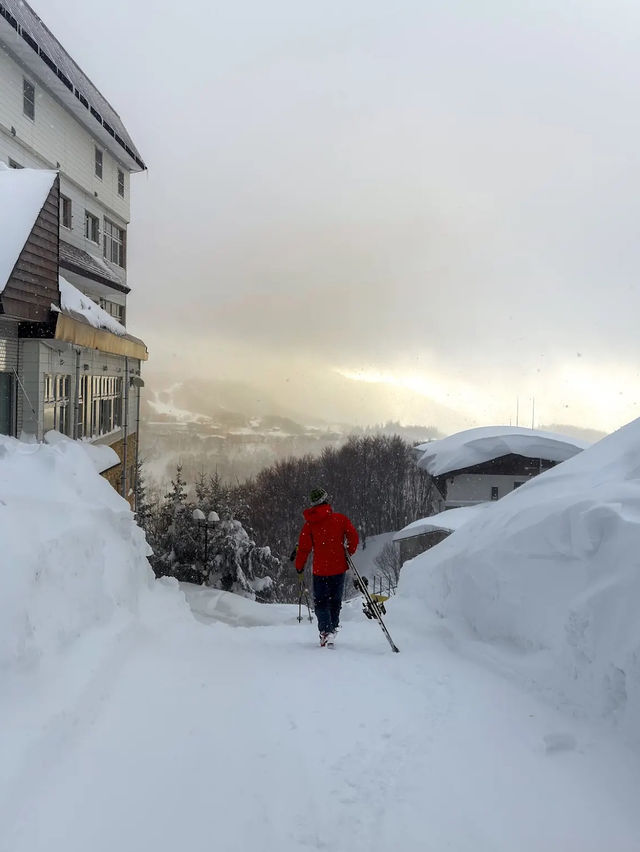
(67, 360)
(425, 533)
(488, 462)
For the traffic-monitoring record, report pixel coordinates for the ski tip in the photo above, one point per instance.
(396, 650)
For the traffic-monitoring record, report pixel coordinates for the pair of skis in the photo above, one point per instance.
(371, 606)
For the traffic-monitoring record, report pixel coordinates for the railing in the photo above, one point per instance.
(383, 586)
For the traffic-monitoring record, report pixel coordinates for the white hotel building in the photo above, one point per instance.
(63, 366)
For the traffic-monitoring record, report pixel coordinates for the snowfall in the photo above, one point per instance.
(139, 715)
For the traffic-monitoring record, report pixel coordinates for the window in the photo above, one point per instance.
(120, 183)
(494, 492)
(100, 405)
(57, 390)
(14, 165)
(114, 243)
(517, 485)
(98, 163)
(29, 99)
(91, 227)
(65, 211)
(113, 308)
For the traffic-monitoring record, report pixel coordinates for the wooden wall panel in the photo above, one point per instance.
(33, 285)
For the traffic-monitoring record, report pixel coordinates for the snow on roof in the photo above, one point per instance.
(71, 299)
(450, 519)
(23, 193)
(76, 259)
(102, 457)
(483, 444)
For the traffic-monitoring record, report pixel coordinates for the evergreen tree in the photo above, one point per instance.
(201, 487)
(178, 494)
(169, 524)
(143, 506)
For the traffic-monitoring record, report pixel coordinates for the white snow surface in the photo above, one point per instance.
(549, 579)
(450, 519)
(73, 558)
(23, 193)
(128, 723)
(475, 446)
(102, 456)
(71, 299)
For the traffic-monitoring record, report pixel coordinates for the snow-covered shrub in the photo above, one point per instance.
(236, 563)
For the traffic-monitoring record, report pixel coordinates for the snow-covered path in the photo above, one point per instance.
(210, 737)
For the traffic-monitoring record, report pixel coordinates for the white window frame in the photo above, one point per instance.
(98, 162)
(114, 243)
(26, 99)
(57, 402)
(121, 184)
(65, 200)
(90, 218)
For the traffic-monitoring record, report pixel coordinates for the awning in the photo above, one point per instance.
(73, 328)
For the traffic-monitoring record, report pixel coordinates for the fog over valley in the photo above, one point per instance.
(237, 429)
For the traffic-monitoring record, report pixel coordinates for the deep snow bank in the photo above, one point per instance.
(236, 610)
(72, 556)
(553, 571)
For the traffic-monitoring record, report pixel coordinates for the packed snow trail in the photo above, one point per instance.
(210, 737)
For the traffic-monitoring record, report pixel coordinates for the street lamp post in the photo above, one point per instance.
(206, 523)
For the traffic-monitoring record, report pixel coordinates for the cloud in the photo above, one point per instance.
(442, 191)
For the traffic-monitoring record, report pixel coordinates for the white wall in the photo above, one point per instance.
(8, 346)
(477, 487)
(34, 361)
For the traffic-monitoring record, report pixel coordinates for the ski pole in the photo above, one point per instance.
(300, 598)
(303, 591)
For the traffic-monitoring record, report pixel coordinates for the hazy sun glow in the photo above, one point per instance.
(452, 393)
(594, 396)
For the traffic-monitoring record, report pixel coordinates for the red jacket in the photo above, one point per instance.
(325, 532)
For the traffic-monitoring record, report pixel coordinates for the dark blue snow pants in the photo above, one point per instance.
(327, 596)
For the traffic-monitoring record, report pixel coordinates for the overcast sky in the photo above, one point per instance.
(442, 198)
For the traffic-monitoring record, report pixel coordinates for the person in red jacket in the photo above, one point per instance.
(326, 533)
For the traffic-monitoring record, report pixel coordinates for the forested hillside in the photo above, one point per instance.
(373, 479)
